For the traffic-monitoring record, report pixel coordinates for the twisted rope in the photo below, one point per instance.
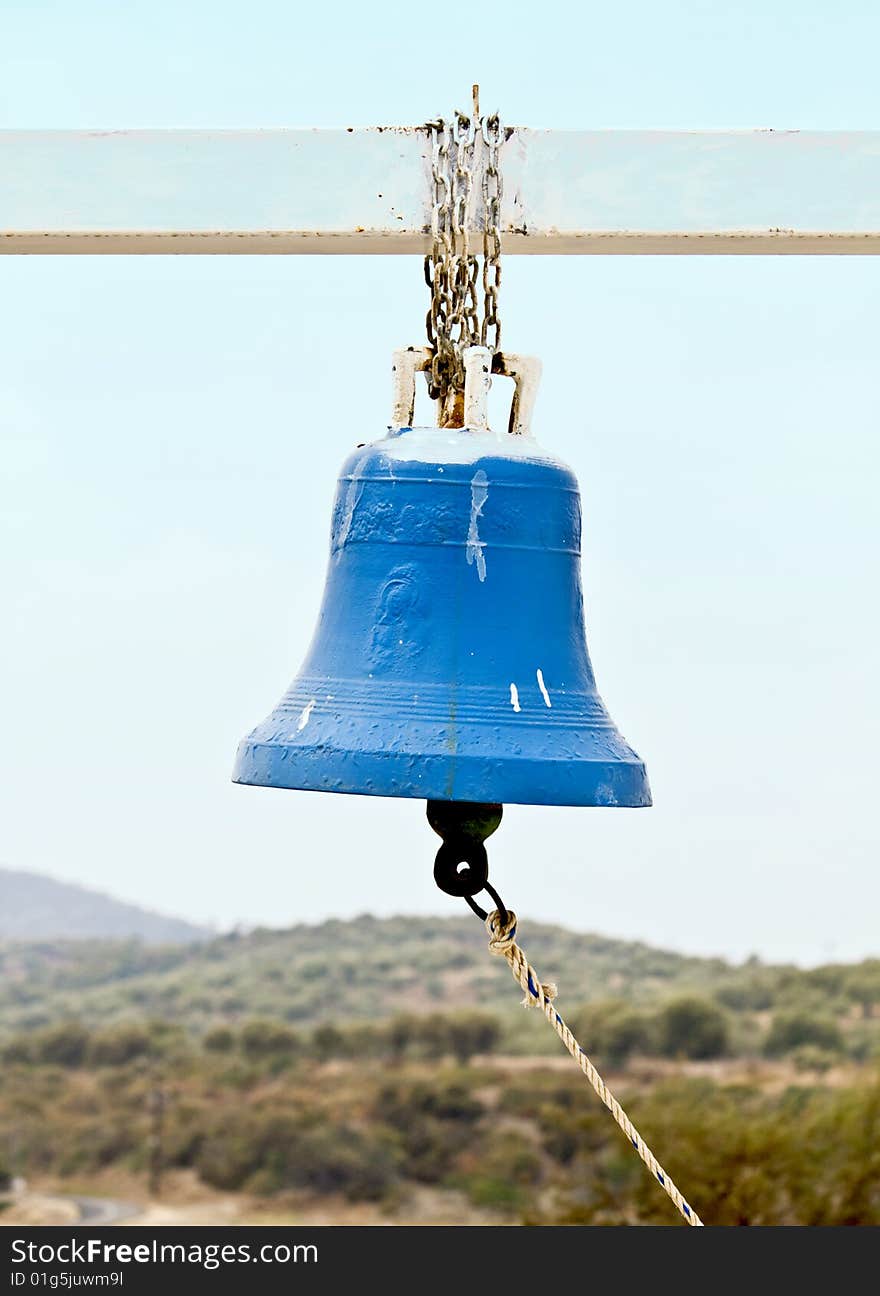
(502, 941)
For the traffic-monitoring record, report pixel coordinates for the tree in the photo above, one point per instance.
(473, 1033)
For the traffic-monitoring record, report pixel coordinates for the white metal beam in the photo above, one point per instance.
(367, 190)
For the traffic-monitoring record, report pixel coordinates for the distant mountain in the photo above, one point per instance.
(38, 908)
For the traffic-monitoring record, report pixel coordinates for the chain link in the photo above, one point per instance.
(466, 322)
(491, 234)
(439, 260)
(451, 269)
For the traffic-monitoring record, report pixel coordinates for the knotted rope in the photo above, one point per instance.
(502, 941)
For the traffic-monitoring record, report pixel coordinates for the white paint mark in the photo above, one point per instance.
(514, 698)
(475, 546)
(304, 715)
(438, 446)
(352, 496)
(543, 687)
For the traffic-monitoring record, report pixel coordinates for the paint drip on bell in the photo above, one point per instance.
(475, 546)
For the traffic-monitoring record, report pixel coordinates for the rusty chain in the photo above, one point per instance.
(465, 316)
(453, 320)
(491, 131)
(438, 263)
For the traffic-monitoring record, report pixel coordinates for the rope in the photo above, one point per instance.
(502, 941)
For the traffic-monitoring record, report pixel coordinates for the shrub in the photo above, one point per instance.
(494, 1193)
(118, 1045)
(433, 1036)
(790, 1031)
(230, 1154)
(432, 1124)
(629, 1032)
(808, 1057)
(691, 1027)
(571, 1134)
(219, 1040)
(266, 1039)
(338, 1159)
(402, 1034)
(862, 985)
(18, 1049)
(327, 1042)
(62, 1045)
(612, 1030)
(510, 1156)
(272, 1153)
(753, 992)
(473, 1033)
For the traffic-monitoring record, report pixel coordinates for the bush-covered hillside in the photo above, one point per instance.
(374, 968)
(373, 1065)
(376, 1116)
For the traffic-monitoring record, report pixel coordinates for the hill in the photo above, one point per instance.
(375, 968)
(340, 971)
(37, 908)
(381, 1070)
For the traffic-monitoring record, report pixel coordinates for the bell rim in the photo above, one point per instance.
(510, 780)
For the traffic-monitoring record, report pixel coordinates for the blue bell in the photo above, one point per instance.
(450, 662)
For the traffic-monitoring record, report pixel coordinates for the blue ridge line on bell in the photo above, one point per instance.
(450, 660)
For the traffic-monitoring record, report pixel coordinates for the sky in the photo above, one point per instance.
(168, 469)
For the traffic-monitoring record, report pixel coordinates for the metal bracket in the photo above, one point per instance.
(479, 367)
(405, 364)
(526, 374)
